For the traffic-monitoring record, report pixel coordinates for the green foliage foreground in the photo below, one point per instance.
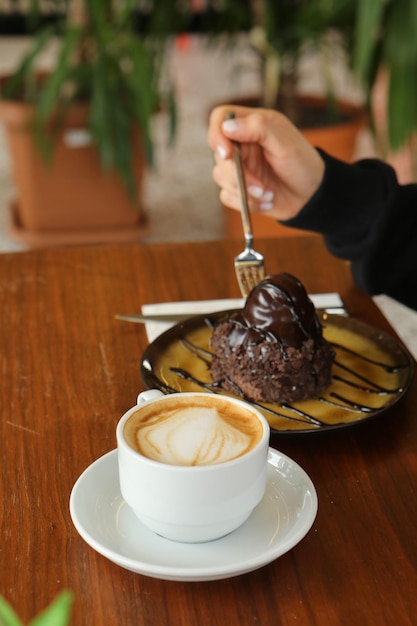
(56, 614)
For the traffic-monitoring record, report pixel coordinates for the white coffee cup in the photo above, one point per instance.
(207, 473)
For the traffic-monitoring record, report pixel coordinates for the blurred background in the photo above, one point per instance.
(122, 90)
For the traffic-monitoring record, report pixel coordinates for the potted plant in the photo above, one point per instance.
(91, 114)
(281, 34)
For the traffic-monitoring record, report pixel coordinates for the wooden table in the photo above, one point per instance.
(69, 371)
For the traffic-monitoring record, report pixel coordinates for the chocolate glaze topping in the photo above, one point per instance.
(279, 310)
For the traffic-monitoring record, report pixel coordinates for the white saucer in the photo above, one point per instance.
(278, 523)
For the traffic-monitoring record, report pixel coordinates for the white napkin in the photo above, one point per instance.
(153, 329)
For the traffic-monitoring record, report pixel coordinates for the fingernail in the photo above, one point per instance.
(221, 151)
(259, 192)
(256, 191)
(230, 126)
(268, 196)
(266, 206)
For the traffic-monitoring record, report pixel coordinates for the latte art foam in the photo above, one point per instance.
(176, 433)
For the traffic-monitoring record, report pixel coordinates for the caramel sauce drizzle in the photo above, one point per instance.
(391, 369)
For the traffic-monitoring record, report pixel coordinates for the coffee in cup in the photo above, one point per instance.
(192, 466)
(197, 430)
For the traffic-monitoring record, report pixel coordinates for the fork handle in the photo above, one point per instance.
(244, 204)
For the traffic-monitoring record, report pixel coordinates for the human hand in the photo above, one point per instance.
(283, 170)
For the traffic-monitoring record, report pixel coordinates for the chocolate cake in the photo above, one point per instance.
(273, 350)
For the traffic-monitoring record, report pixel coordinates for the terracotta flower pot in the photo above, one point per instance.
(337, 139)
(69, 199)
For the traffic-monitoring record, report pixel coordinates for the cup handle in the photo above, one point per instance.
(150, 394)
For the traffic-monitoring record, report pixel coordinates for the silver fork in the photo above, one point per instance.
(249, 264)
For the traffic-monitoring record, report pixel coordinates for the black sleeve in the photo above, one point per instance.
(368, 218)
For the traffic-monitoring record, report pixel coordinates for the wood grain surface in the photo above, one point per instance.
(69, 370)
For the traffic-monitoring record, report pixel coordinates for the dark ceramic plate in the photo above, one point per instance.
(371, 372)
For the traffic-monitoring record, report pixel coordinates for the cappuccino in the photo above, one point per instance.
(173, 454)
(193, 430)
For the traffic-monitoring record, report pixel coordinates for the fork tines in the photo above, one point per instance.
(250, 270)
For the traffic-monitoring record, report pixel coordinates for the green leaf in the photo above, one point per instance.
(57, 613)
(52, 89)
(19, 78)
(402, 97)
(173, 115)
(400, 41)
(124, 13)
(8, 616)
(367, 33)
